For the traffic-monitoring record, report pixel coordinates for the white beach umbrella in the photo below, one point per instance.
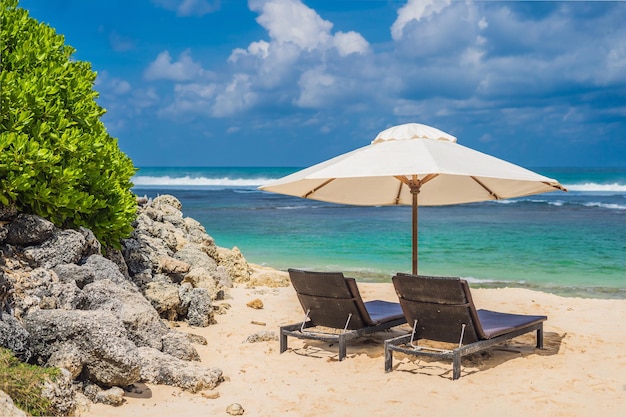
(412, 164)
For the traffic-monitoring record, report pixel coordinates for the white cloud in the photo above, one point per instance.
(144, 98)
(190, 100)
(314, 85)
(258, 49)
(291, 21)
(449, 60)
(416, 10)
(482, 23)
(184, 69)
(189, 7)
(350, 43)
(236, 97)
(201, 91)
(112, 85)
(119, 87)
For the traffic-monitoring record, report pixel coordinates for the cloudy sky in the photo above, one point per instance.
(294, 82)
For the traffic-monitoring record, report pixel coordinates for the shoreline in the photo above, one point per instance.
(596, 293)
(579, 371)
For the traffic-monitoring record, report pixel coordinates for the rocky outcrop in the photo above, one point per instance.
(28, 229)
(91, 343)
(141, 321)
(98, 313)
(63, 247)
(159, 368)
(13, 336)
(167, 250)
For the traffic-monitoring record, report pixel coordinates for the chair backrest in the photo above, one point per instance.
(441, 305)
(330, 298)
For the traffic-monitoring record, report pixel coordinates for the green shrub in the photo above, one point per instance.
(56, 158)
(23, 383)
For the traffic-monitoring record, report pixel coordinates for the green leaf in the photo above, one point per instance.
(56, 157)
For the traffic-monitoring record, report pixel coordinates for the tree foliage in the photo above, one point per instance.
(56, 158)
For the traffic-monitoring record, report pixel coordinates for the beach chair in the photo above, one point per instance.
(441, 309)
(335, 312)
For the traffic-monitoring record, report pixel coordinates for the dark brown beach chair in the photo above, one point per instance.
(333, 302)
(441, 309)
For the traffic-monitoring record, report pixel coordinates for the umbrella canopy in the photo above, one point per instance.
(412, 164)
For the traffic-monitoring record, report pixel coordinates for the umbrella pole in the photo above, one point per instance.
(415, 229)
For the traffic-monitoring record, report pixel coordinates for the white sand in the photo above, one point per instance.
(581, 371)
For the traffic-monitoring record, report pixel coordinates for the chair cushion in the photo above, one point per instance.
(383, 311)
(495, 323)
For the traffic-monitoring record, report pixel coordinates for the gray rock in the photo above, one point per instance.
(136, 258)
(202, 278)
(197, 339)
(4, 231)
(235, 409)
(141, 320)
(92, 244)
(109, 358)
(8, 212)
(33, 290)
(28, 229)
(8, 408)
(200, 312)
(66, 295)
(263, 336)
(195, 233)
(6, 293)
(81, 275)
(166, 232)
(106, 269)
(173, 267)
(167, 203)
(152, 213)
(179, 345)
(197, 258)
(68, 357)
(61, 394)
(169, 207)
(222, 277)
(160, 368)
(235, 263)
(13, 336)
(164, 298)
(151, 242)
(116, 256)
(113, 396)
(65, 246)
(184, 293)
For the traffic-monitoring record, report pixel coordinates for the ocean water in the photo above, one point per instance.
(570, 243)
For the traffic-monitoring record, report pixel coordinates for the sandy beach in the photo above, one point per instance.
(581, 371)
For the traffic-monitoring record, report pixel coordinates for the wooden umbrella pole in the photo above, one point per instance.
(414, 193)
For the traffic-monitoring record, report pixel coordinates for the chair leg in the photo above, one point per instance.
(342, 347)
(388, 358)
(283, 341)
(540, 337)
(456, 365)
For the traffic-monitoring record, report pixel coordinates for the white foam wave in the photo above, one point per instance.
(292, 207)
(163, 181)
(560, 203)
(605, 205)
(474, 280)
(592, 186)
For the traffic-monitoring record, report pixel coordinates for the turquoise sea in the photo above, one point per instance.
(570, 243)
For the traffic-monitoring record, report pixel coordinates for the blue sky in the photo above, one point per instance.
(294, 82)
